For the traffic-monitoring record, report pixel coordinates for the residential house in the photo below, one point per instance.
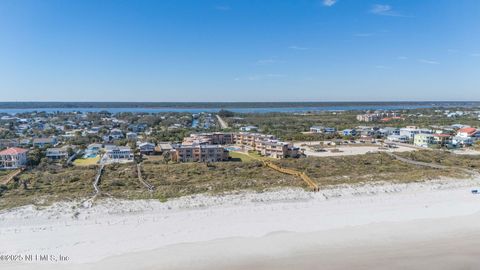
(146, 148)
(249, 128)
(57, 153)
(387, 131)
(132, 136)
(44, 142)
(466, 136)
(349, 132)
(163, 147)
(322, 129)
(423, 140)
(369, 117)
(116, 134)
(8, 143)
(13, 158)
(467, 132)
(411, 131)
(117, 154)
(398, 138)
(442, 139)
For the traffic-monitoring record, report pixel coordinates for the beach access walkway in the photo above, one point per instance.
(10, 176)
(149, 186)
(310, 183)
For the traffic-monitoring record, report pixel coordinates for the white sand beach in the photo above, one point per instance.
(425, 225)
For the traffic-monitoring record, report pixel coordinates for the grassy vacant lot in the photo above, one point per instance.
(45, 185)
(48, 185)
(363, 168)
(444, 158)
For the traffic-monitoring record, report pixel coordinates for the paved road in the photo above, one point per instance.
(223, 124)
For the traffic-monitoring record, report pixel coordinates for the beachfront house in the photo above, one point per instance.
(146, 148)
(13, 158)
(57, 153)
(118, 154)
(163, 147)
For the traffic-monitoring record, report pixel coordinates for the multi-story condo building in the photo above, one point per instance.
(210, 138)
(199, 153)
(196, 145)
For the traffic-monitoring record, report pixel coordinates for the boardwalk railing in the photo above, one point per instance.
(97, 179)
(149, 186)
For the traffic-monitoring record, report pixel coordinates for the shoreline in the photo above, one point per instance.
(113, 230)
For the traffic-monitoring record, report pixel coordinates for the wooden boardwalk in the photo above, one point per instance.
(10, 176)
(149, 186)
(310, 183)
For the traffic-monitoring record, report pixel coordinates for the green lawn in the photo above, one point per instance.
(86, 161)
(241, 156)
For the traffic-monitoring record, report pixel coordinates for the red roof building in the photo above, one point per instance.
(467, 132)
(13, 158)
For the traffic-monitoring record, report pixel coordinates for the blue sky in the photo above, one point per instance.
(303, 50)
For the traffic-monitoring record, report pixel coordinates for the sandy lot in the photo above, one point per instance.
(272, 230)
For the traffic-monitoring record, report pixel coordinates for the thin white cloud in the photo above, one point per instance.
(298, 48)
(475, 54)
(402, 57)
(384, 10)
(382, 67)
(428, 61)
(329, 3)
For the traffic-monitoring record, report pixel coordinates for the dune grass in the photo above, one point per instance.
(55, 183)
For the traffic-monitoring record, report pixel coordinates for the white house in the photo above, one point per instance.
(398, 138)
(117, 154)
(13, 158)
(410, 132)
(249, 128)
